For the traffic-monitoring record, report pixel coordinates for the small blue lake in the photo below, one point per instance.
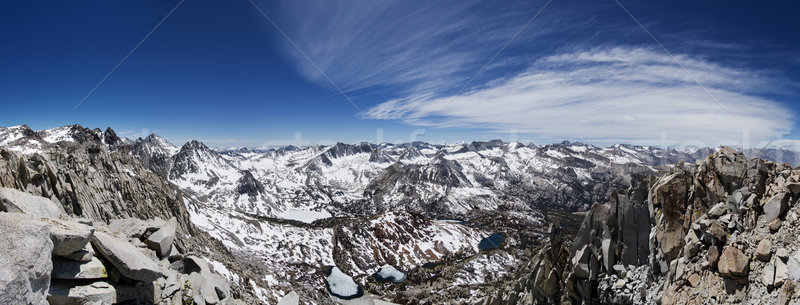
(491, 242)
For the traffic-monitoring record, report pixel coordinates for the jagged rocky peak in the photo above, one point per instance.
(478, 146)
(410, 153)
(196, 157)
(723, 230)
(249, 185)
(340, 149)
(155, 144)
(20, 138)
(194, 145)
(379, 155)
(74, 133)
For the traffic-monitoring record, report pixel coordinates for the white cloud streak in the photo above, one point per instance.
(419, 46)
(632, 95)
(424, 51)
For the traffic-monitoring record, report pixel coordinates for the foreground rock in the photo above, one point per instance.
(66, 293)
(733, 263)
(15, 201)
(69, 236)
(126, 258)
(25, 264)
(72, 270)
(161, 240)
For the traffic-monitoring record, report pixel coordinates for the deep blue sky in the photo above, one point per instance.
(218, 71)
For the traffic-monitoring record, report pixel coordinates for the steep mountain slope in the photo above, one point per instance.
(96, 179)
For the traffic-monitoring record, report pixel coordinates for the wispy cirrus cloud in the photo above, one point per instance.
(416, 46)
(580, 71)
(622, 94)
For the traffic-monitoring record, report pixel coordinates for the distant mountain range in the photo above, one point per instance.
(295, 209)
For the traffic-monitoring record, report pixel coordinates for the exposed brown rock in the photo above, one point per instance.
(763, 251)
(733, 263)
(713, 255)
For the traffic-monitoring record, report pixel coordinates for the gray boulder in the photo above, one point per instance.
(213, 287)
(25, 261)
(718, 210)
(161, 240)
(763, 251)
(130, 262)
(793, 267)
(71, 293)
(775, 206)
(69, 236)
(71, 270)
(14, 201)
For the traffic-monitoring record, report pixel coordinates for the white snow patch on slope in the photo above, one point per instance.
(58, 134)
(341, 284)
(305, 216)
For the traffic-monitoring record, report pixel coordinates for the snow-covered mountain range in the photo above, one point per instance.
(422, 208)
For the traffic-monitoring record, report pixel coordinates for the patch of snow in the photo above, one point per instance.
(305, 216)
(341, 285)
(58, 134)
(222, 270)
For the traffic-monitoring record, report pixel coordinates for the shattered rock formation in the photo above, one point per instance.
(722, 231)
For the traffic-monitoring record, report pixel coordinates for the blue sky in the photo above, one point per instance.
(722, 72)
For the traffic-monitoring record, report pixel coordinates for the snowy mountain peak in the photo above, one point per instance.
(157, 144)
(195, 146)
(80, 134)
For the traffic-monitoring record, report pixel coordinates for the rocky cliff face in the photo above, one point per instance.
(720, 231)
(93, 178)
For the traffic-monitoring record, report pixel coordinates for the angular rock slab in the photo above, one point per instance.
(25, 260)
(69, 293)
(69, 236)
(14, 201)
(733, 263)
(775, 206)
(66, 269)
(161, 240)
(763, 251)
(128, 259)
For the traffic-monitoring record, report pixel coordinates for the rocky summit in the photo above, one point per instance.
(721, 231)
(93, 218)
